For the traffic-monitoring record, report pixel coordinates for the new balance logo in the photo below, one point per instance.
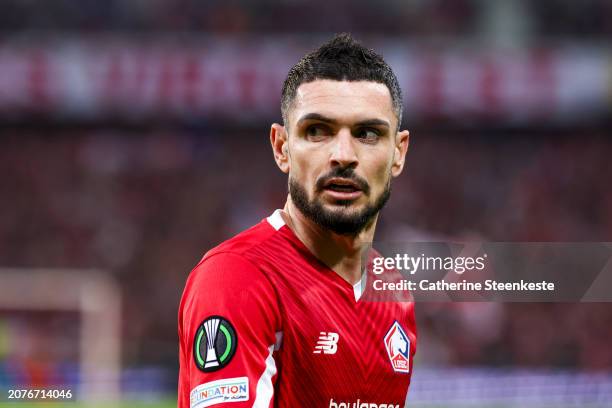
(327, 343)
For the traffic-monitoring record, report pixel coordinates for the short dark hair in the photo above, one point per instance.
(341, 59)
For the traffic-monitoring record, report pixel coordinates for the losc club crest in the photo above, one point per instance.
(214, 344)
(398, 348)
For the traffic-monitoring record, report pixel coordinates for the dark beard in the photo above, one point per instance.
(340, 222)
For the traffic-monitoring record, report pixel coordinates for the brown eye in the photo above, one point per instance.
(368, 135)
(316, 132)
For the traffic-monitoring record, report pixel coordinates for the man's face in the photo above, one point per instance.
(342, 150)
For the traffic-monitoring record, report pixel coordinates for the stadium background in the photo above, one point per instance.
(134, 137)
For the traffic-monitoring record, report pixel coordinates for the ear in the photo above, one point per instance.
(399, 154)
(280, 146)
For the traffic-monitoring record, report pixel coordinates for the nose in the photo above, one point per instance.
(343, 152)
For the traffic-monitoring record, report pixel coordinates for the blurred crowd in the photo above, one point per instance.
(543, 18)
(146, 204)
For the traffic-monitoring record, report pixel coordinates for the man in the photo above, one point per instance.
(273, 317)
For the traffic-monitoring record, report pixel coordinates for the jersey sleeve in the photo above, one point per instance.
(228, 320)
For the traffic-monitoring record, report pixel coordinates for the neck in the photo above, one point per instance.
(341, 253)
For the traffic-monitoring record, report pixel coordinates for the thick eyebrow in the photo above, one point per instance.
(316, 116)
(374, 122)
(321, 118)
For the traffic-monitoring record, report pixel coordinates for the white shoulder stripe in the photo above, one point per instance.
(265, 389)
(276, 220)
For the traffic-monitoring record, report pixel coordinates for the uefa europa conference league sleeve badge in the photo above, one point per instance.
(214, 344)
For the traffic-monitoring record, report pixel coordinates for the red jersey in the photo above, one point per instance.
(264, 323)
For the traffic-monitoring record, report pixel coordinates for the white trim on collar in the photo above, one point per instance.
(276, 220)
(357, 290)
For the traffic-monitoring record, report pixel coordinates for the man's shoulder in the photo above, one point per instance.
(228, 265)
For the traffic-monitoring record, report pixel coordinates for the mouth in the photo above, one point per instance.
(341, 185)
(342, 189)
